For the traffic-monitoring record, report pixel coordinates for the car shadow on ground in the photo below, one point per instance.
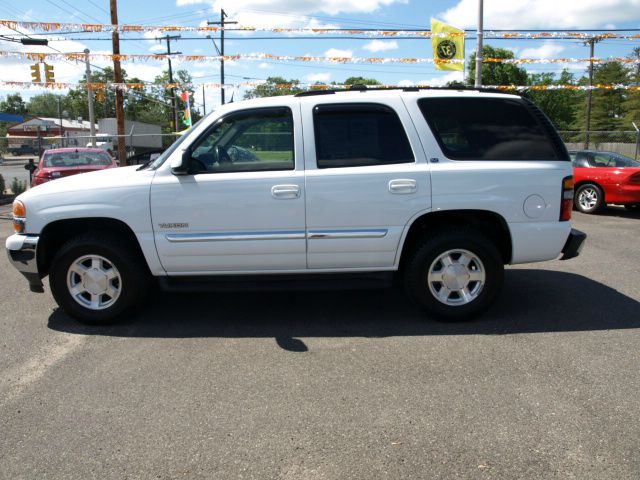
(618, 211)
(532, 301)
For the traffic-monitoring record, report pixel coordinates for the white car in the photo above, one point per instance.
(442, 188)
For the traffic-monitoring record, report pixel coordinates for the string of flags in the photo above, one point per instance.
(108, 28)
(440, 59)
(98, 87)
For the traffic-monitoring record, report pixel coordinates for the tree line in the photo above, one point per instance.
(152, 105)
(612, 110)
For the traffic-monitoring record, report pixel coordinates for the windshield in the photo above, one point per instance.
(622, 161)
(76, 159)
(172, 148)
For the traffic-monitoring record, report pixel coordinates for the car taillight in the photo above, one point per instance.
(566, 204)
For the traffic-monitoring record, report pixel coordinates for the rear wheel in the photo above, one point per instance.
(589, 198)
(455, 274)
(97, 278)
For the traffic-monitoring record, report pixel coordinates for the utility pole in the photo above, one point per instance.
(92, 118)
(117, 70)
(479, 58)
(204, 103)
(592, 41)
(222, 24)
(168, 53)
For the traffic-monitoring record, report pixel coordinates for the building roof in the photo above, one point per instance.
(55, 122)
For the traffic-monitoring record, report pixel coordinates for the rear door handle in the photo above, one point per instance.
(403, 185)
(285, 191)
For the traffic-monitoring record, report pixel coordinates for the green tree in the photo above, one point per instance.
(275, 86)
(361, 81)
(14, 104)
(561, 106)
(608, 106)
(632, 102)
(497, 73)
(46, 105)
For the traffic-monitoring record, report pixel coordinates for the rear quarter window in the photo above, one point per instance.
(492, 129)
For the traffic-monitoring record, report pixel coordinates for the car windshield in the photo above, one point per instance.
(76, 159)
(622, 161)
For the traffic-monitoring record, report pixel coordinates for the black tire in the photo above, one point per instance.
(589, 198)
(456, 244)
(105, 256)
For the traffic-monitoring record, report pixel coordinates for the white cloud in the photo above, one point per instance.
(380, 46)
(519, 14)
(547, 50)
(265, 66)
(406, 83)
(319, 77)
(335, 52)
(442, 80)
(331, 7)
(157, 48)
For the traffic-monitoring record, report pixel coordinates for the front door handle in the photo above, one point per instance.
(285, 191)
(403, 185)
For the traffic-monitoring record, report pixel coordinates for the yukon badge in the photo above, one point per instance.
(174, 225)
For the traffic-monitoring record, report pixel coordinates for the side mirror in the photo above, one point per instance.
(180, 164)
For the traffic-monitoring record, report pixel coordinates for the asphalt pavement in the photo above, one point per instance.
(14, 169)
(335, 385)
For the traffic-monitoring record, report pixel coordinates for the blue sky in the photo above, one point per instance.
(378, 14)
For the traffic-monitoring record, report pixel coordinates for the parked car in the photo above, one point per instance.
(605, 177)
(322, 188)
(23, 149)
(144, 157)
(63, 162)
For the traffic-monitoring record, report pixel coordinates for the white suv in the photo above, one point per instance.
(439, 188)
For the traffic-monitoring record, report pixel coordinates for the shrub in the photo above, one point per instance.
(2, 185)
(17, 186)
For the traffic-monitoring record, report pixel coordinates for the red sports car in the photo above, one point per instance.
(62, 162)
(604, 177)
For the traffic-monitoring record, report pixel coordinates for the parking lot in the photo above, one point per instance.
(335, 385)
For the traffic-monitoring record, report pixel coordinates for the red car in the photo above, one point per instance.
(62, 162)
(604, 177)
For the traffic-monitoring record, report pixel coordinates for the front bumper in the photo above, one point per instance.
(573, 245)
(22, 252)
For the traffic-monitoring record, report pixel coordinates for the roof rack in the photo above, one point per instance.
(365, 88)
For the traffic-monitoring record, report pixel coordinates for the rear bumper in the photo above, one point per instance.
(22, 252)
(573, 245)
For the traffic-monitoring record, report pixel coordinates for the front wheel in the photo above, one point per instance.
(589, 198)
(455, 275)
(97, 278)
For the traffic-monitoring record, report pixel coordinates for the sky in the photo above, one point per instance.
(544, 15)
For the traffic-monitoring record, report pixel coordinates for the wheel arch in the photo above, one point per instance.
(491, 224)
(57, 233)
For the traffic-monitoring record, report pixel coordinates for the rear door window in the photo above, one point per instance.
(492, 129)
(358, 135)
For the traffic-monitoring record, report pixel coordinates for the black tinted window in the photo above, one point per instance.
(355, 135)
(491, 129)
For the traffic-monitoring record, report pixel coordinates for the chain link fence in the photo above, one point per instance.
(623, 142)
(22, 148)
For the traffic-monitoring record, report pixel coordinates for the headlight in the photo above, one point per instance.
(19, 216)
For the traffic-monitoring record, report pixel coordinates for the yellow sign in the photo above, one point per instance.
(447, 47)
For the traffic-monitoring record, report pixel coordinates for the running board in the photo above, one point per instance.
(262, 283)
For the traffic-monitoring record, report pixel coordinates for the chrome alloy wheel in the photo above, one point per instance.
(94, 282)
(456, 277)
(588, 198)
